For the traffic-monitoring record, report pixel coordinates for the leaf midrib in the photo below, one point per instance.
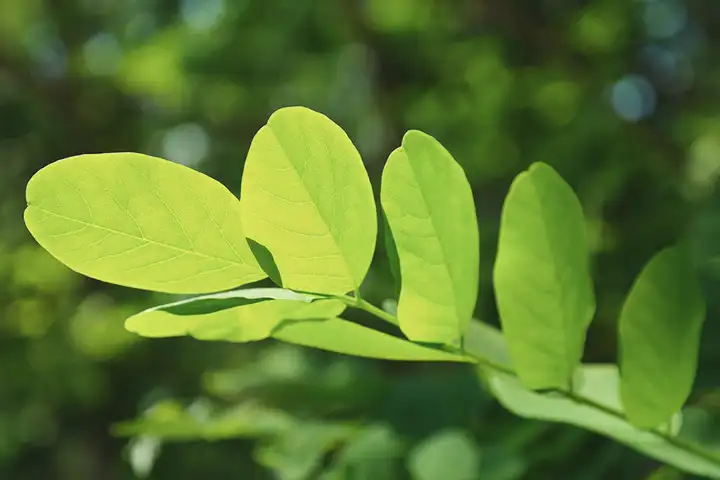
(439, 240)
(567, 321)
(314, 204)
(119, 232)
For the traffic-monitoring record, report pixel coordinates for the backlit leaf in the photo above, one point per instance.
(341, 336)
(542, 282)
(307, 199)
(430, 210)
(660, 326)
(238, 316)
(142, 222)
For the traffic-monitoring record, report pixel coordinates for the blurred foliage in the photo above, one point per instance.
(620, 97)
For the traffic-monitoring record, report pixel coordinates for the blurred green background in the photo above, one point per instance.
(621, 97)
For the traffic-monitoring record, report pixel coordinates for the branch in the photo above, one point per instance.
(489, 364)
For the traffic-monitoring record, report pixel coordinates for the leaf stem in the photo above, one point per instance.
(361, 304)
(688, 447)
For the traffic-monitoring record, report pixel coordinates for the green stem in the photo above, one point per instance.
(570, 395)
(356, 302)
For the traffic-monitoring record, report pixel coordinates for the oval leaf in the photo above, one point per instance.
(307, 199)
(541, 276)
(239, 316)
(660, 328)
(341, 336)
(430, 210)
(141, 222)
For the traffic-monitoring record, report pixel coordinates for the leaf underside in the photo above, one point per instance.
(659, 335)
(141, 222)
(541, 277)
(306, 198)
(430, 210)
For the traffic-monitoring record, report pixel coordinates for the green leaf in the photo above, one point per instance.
(430, 210)
(341, 336)
(171, 422)
(599, 385)
(447, 455)
(215, 302)
(541, 276)
(392, 255)
(298, 453)
(660, 327)
(307, 199)
(371, 454)
(141, 222)
(238, 316)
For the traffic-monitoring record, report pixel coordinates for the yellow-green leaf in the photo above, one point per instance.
(430, 210)
(238, 316)
(141, 222)
(307, 199)
(341, 336)
(542, 282)
(660, 327)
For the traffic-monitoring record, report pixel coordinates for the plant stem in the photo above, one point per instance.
(690, 448)
(356, 302)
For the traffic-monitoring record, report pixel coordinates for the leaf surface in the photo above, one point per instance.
(541, 276)
(307, 199)
(141, 222)
(660, 327)
(238, 316)
(431, 213)
(341, 336)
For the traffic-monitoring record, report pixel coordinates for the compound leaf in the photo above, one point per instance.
(307, 199)
(141, 222)
(660, 327)
(542, 282)
(430, 211)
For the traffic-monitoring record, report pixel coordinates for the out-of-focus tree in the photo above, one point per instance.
(620, 97)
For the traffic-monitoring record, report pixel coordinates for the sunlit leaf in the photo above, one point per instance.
(307, 199)
(215, 302)
(542, 282)
(447, 455)
(142, 222)
(430, 210)
(660, 326)
(237, 316)
(341, 336)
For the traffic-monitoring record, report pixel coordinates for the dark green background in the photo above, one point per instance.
(621, 97)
